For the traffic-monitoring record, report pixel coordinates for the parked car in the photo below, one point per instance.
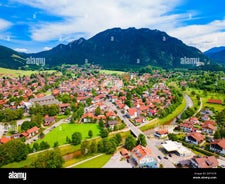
(165, 157)
(159, 157)
(170, 155)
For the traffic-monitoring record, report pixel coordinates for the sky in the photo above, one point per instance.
(37, 25)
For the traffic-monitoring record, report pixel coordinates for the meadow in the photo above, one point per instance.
(60, 133)
(17, 73)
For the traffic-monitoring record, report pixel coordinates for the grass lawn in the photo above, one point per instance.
(16, 73)
(61, 132)
(210, 95)
(111, 72)
(30, 158)
(98, 162)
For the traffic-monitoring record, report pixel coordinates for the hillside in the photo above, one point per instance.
(217, 54)
(10, 58)
(122, 49)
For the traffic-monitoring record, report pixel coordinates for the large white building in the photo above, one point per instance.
(173, 146)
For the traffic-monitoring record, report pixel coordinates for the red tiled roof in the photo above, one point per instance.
(206, 162)
(131, 111)
(33, 129)
(214, 101)
(162, 132)
(140, 151)
(4, 140)
(197, 136)
(219, 142)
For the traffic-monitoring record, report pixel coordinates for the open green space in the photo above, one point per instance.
(16, 73)
(110, 72)
(65, 149)
(61, 132)
(209, 95)
(98, 162)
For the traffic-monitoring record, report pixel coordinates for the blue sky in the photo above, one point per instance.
(37, 25)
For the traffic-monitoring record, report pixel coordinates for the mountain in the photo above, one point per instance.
(214, 50)
(216, 54)
(10, 58)
(118, 48)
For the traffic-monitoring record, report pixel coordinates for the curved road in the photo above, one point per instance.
(189, 103)
(150, 143)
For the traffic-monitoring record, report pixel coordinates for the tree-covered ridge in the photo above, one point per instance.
(121, 49)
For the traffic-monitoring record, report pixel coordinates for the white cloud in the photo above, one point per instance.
(92, 16)
(21, 50)
(203, 37)
(4, 24)
(47, 48)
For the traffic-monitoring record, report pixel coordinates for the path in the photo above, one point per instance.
(84, 160)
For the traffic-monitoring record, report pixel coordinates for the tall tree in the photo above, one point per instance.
(130, 142)
(90, 133)
(141, 140)
(76, 138)
(49, 159)
(13, 151)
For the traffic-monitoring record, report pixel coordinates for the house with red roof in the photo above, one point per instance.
(49, 120)
(214, 101)
(143, 157)
(87, 117)
(31, 132)
(4, 140)
(218, 146)
(133, 113)
(194, 138)
(204, 162)
(208, 128)
(161, 133)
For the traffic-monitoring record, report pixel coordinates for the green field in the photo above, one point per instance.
(31, 157)
(61, 132)
(210, 95)
(98, 162)
(16, 73)
(109, 72)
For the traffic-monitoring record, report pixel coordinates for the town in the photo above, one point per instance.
(150, 119)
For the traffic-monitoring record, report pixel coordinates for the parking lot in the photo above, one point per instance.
(117, 161)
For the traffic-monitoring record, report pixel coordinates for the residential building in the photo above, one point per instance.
(204, 162)
(143, 157)
(195, 138)
(218, 146)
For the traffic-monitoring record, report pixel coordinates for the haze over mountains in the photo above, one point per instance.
(115, 49)
(217, 54)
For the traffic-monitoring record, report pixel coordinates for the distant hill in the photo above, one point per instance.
(217, 54)
(122, 49)
(10, 58)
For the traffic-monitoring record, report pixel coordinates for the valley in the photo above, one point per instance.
(86, 111)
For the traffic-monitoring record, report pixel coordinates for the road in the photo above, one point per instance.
(189, 103)
(151, 144)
